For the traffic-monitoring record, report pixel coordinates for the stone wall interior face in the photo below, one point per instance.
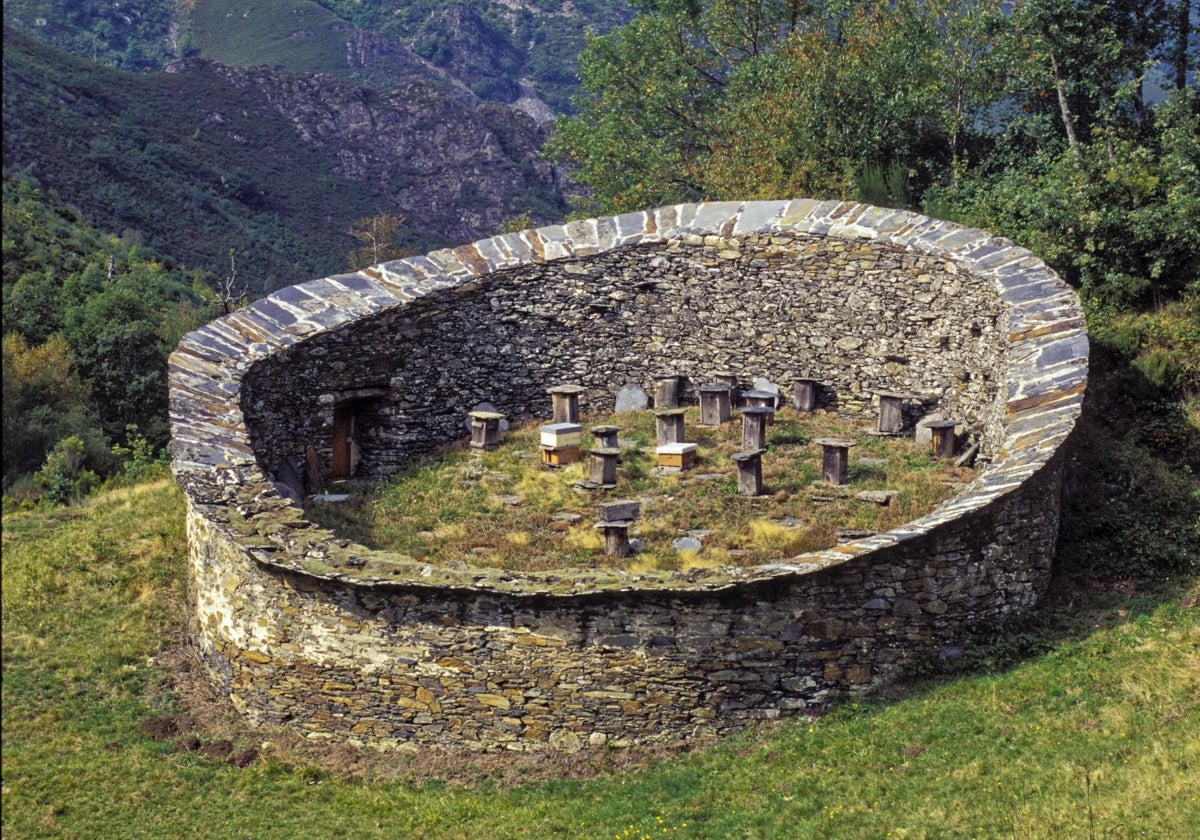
(345, 642)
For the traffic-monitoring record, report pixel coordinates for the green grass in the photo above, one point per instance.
(294, 35)
(456, 506)
(1099, 736)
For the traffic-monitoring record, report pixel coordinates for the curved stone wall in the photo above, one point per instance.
(342, 641)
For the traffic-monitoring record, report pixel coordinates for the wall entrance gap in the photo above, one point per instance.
(353, 415)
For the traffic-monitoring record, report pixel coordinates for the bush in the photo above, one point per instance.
(138, 457)
(64, 478)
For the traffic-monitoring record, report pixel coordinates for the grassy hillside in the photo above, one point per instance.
(494, 47)
(207, 161)
(1097, 736)
(296, 35)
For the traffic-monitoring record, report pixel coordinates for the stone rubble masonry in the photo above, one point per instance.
(347, 643)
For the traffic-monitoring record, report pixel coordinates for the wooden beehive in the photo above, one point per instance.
(620, 510)
(559, 456)
(560, 435)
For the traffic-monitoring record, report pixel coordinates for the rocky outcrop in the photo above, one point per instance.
(475, 53)
(380, 62)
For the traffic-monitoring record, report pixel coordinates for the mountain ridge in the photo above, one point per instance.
(517, 52)
(208, 161)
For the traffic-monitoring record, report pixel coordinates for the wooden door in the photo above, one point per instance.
(343, 441)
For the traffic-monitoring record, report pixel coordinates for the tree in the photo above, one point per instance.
(89, 320)
(733, 98)
(45, 400)
(1085, 61)
(380, 237)
(1181, 53)
(647, 122)
(1118, 217)
(879, 87)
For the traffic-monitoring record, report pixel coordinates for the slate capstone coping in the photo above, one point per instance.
(1046, 365)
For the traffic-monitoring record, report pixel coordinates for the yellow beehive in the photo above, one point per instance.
(679, 455)
(559, 456)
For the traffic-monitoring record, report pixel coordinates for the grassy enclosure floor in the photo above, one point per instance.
(1093, 735)
(504, 509)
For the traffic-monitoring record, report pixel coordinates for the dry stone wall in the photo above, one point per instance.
(345, 642)
(858, 315)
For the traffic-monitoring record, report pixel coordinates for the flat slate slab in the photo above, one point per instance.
(879, 497)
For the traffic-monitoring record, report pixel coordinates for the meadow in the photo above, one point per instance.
(1080, 720)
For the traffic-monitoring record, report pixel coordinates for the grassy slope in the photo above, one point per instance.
(1098, 737)
(296, 35)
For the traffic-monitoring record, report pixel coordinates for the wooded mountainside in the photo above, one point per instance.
(154, 199)
(206, 158)
(506, 51)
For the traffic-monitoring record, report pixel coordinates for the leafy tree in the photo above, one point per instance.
(643, 132)
(757, 98)
(45, 400)
(1084, 61)
(88, 322)
(380, 238)
(115, 335)
(64, 477)
(1181, 52)
(1118, 217)
(878, 85)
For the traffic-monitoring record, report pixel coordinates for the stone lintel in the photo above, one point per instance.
(836, 443)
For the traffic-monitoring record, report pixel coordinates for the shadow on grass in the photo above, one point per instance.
(1129, 536)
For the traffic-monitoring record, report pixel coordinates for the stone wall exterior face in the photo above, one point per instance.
(344, 642)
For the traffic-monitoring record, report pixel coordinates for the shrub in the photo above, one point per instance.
(138, 458)
(64, 478)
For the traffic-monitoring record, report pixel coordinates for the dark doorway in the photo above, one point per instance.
(359, 415)
(343, 441)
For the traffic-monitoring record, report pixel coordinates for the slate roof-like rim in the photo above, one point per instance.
(212, 458)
